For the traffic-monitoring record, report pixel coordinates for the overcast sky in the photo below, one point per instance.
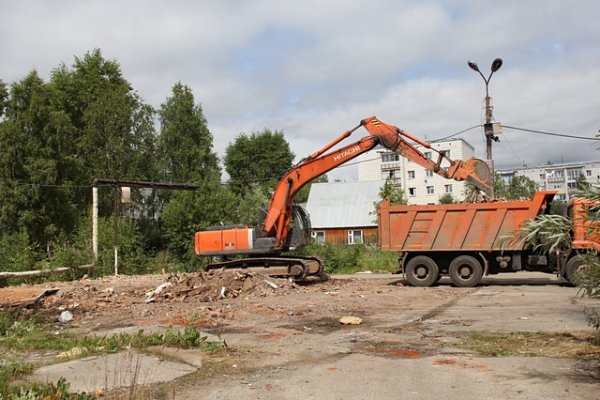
(315, 68)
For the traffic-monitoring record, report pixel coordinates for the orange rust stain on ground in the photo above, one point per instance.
(461, 364)
(273, 336)
(445, 361)
(332, 369)
(399, 353)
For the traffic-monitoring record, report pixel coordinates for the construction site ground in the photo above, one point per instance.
(365, 336)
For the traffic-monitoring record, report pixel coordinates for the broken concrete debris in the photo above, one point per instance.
(215, 286)
(65, 317)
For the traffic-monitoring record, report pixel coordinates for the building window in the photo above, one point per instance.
(390, 157)
(448, 188)
(355, 237)
(412, 192)
(542, 177)
(428, 173)
(573, 174)
(319, 236)
(393, 174)
(430, 190)
(561, 197)
(588, 172)
(445, 153)
(428, 155)
(572, 185)
(411, 174)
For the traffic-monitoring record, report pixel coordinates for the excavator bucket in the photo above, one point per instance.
(479, 174)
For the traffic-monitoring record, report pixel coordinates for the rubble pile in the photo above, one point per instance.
(206, 287)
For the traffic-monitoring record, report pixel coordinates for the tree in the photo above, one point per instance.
(86, 123)
(257, 159)
(3, 97)
(447, 199)
(519, 187)
(185, 144)
(393, 193)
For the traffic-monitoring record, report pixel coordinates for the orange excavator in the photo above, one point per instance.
(285, 226)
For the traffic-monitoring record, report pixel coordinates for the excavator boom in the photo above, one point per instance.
(287, 227)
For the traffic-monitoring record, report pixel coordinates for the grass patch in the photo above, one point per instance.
(27, 335)
(348, 259)
(18, 337)
(534, 344)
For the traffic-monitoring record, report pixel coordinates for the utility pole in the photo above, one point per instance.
(488, 127)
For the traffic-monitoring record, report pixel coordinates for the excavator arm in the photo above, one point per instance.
(278, 214)
(474, 170)
(272, 237)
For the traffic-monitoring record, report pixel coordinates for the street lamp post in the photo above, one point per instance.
(488, 128)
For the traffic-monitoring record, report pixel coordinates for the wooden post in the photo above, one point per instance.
(95, 223)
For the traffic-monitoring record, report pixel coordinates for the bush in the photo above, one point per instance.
(340, 259)
(16, 253)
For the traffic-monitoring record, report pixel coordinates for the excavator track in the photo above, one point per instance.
(295, 267)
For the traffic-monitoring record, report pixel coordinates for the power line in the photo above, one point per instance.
(550, 133)
(459, 132)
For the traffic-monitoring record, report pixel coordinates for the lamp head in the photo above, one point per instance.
(496, 64)
(473, 65)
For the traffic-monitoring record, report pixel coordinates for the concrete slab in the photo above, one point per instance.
(112, 371)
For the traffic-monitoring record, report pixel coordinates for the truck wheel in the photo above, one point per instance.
(465, 271)
(573, 265)
(421, 271)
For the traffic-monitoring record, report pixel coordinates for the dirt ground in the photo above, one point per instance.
(285, 340)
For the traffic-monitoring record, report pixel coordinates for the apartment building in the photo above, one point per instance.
(420, 185)
(562, 177)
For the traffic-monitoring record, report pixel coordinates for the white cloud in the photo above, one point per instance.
(315, 68)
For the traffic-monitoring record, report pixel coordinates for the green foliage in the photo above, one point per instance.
(343, 259)
(21, 336)
(519, 187)
(582, 184)
(558, 207)
(447, 199)
(27, 335)
(257, 159)
(45, 391)
(393, 193)
(189, 212)
(185, 143)
(549, 233)
(16, 254)
(588, 279)
(3, 97)
(85, 123)
(546, 233)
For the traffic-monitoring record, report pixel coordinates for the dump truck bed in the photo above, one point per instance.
(457, 227)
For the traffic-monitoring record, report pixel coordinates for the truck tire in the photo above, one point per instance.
(421, 271)
(465, 271)
(573, 265)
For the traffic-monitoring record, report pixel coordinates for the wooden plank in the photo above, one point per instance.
(41, 272)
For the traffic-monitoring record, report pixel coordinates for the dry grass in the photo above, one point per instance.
(534, 344)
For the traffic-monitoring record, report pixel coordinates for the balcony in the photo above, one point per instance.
(387, 166)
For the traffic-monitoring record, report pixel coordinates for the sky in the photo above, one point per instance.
(314, 68)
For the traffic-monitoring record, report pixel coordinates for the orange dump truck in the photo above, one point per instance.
(468, 241)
